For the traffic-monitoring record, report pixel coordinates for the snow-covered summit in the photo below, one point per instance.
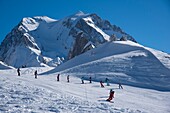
(42, 41)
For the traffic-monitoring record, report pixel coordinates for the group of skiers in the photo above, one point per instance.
(35, 73)
(101, 82)
(58, 78)
(111, 95)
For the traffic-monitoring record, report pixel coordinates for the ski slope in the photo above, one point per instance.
(45, 95)
(122, 61)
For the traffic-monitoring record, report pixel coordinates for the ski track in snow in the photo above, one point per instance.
(46, 95)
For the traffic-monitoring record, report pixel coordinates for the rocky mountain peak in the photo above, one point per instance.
(42, 41)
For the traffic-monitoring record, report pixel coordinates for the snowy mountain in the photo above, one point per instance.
(124, 61)
(42, 41)
(89, 47)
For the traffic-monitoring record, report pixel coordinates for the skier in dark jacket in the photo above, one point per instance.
(18, 71)
(35, 73)
(111, 96)
(68, 78)
(58, 77)
(101, 84)
(90, 79)
(120, 86)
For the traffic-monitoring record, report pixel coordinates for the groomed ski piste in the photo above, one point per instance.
(46, 95)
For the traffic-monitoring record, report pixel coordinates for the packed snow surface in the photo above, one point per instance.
(45, 95)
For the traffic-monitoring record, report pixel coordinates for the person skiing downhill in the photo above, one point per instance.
(82, 80)
(120, 86)
(90, 79)
(107, 81)
(101, 84)
(35, 73)
(18, 71)
(68, 78)
(58, 76)
(111, 96)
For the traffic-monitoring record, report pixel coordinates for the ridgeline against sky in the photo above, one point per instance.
(146, 20)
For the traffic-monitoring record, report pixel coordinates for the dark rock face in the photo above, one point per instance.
(80, 41)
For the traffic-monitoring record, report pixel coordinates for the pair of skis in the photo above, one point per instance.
(106, 101)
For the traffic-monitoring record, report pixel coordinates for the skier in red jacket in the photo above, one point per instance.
(111, 96)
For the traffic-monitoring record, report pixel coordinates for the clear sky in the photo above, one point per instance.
(148, 21)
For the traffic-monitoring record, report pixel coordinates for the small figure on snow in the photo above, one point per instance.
(111, 96)
(58, 77)
(107, 81)
(101, 84)
(120, 86)
(18, 71)
(82, 80)
(90, 79)
(35, 73)
(68, 78)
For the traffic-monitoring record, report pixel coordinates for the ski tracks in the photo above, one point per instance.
(29, 95)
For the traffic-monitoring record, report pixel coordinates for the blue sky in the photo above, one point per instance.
(148, 21)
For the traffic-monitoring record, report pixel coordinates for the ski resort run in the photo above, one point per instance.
(45, 95)
(80, 64)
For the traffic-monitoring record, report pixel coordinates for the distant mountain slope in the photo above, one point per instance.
(42, 41)
(124, 61)
(4, 66)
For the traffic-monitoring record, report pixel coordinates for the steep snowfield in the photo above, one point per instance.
(163, 57)
(121, 61)
(46, 95)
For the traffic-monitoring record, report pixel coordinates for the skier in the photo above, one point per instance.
(111, 96)
(18, 71)
(90, 79)
(120, 86)
(35, 73)
(68, 80)
(58, 76)
(101, 84)
(107, 81)
(82, 80)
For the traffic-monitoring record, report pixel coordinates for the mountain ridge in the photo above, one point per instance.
(50, 42)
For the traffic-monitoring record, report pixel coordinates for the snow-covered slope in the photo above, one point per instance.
(4, 66)
(42, 41)
(121, 61)
(46, 95)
